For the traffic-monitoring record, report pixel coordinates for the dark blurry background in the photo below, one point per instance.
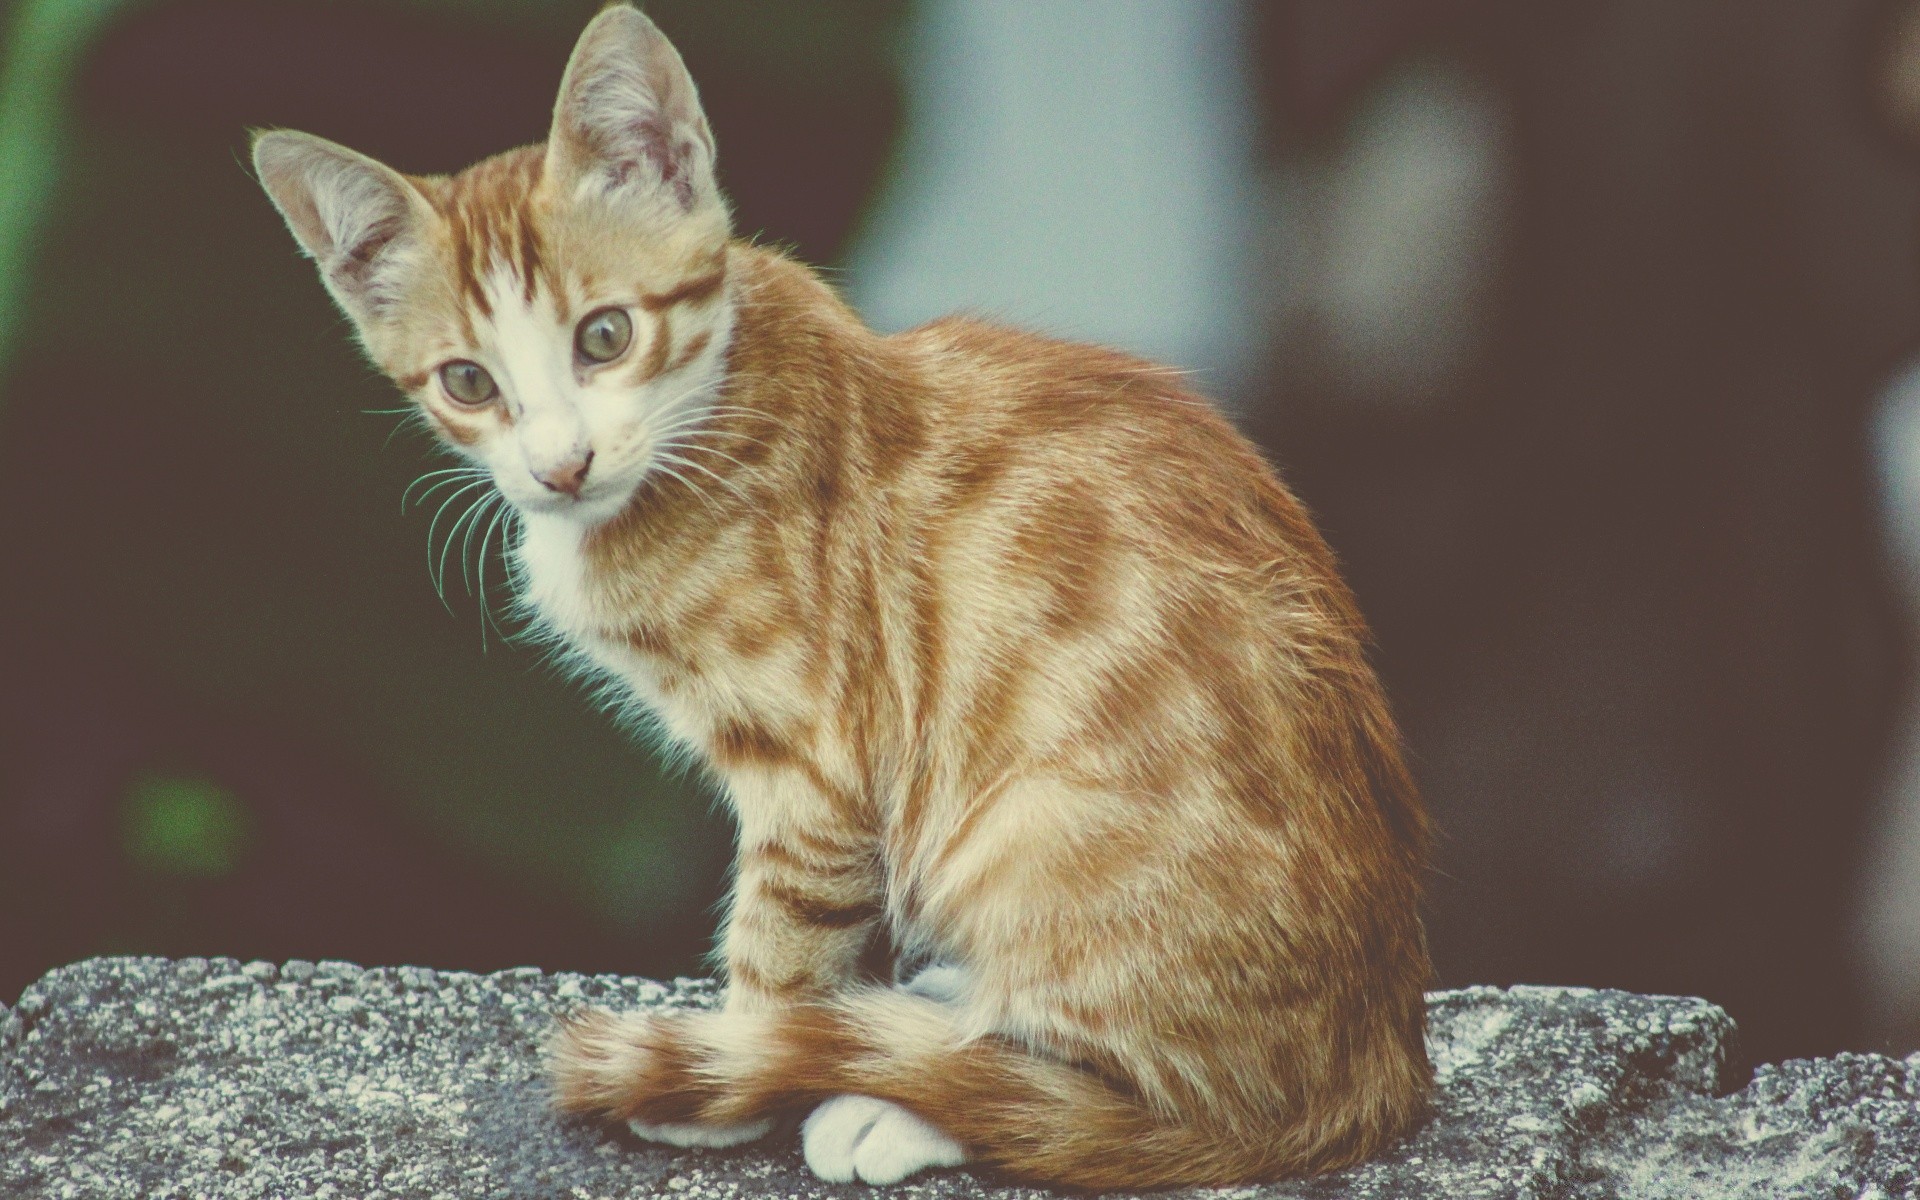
(1578, 326)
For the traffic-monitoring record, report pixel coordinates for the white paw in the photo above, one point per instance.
(859, 1137)
(702, 1135)
(943, 982)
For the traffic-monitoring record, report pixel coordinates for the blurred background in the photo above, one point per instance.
(1588, 332)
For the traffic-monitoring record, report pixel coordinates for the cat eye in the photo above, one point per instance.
(604, 335)
(468, 383)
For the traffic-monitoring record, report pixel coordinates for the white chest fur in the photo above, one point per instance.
(592, 622)
(554, 572)
(559, 586)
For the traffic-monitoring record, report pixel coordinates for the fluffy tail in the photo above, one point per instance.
(1035, 1118)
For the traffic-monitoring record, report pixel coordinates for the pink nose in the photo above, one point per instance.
(567, 476)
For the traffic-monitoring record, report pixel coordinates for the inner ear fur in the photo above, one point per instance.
(628, 119)
(355, 217)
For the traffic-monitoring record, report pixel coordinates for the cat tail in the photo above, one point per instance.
(1035, 1118)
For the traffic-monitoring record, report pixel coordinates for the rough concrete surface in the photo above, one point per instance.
(210, 1080)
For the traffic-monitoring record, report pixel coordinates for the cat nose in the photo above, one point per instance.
(567, 476)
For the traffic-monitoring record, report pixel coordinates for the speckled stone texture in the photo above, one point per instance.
(209, 1080)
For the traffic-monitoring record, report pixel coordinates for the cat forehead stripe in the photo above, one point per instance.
(491, 224)
(692, 291)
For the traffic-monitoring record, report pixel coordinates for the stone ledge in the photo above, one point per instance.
(213, 1080)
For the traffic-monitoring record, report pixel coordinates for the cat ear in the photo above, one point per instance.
(628, 121)
(357, 219)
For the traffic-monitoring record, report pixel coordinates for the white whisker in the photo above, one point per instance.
(698, 424)
(685, 445)
(669, 405)
(661, 452)
(486, 611)
(410, 418)
(738, 410)
(466, 546)
(688, 484)
(440, 574)
(453, 474)
(435, 524)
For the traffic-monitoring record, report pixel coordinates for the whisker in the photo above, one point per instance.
(693, 420)
(456, 472)
(486, 610)
(450, 498)
(427, 494)
(466, 546)
(410, 420)
(673, 408)
(687, 462)
(671, 403)
(685, 445)
(739, 410)
(717, 387)
(435, 524)
(688, 484)
(440, 576)
(701, 422)
(480, 571)
(743, 407)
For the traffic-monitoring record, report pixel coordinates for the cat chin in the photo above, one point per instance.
(585, 512)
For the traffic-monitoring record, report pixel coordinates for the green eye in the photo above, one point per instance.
(468, 383)
(604, 335)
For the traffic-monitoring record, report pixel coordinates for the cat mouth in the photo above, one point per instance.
(592, 504)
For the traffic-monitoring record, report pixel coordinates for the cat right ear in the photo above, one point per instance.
(356, 218)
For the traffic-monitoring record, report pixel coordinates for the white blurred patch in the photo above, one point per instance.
(1083, 167)
(1890, 904)
(1899, 73)
(1392, 239)
(1896, 438)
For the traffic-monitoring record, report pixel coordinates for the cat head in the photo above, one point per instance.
(559, 312)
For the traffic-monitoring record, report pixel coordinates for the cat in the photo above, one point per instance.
(1014, 660)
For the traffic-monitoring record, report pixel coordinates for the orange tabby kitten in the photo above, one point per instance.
(1011, 655)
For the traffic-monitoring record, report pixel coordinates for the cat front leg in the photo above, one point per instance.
(802, 911)
(807, 896)
(806, 901)
(804, 906)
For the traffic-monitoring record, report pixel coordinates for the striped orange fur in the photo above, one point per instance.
(1012, 656)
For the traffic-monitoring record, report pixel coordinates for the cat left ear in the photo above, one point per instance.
(628, 120)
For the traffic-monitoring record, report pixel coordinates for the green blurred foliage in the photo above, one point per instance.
(38, 49)
(187, 827)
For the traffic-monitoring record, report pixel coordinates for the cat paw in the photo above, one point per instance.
(709, 1136)
(942, 982)
(859, 1137)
